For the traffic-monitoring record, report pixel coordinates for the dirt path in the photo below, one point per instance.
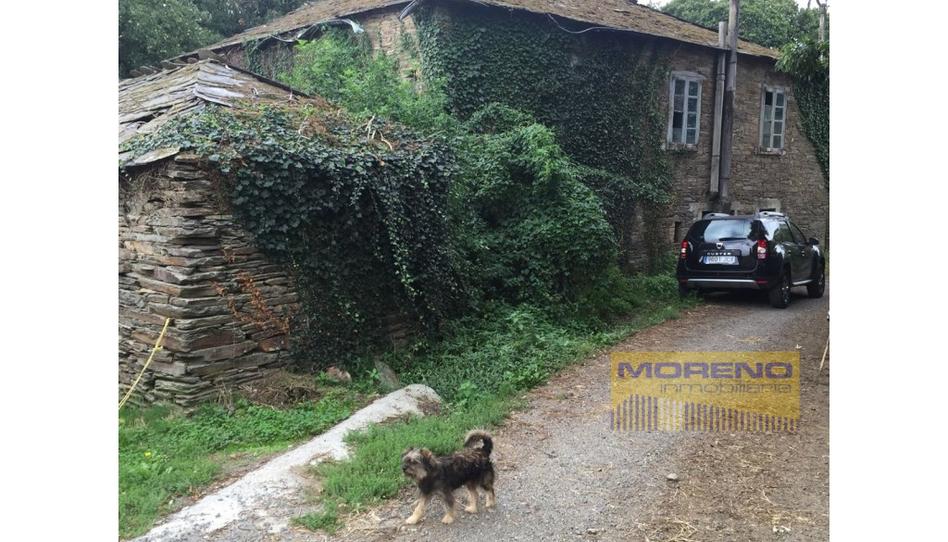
(563, 475)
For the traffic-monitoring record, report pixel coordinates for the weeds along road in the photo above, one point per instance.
(563, 475)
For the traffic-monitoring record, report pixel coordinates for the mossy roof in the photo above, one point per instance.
(148, 102)
(621, 15)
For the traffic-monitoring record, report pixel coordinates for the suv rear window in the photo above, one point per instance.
(712, 231)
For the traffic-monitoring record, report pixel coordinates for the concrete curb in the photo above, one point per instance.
(277, 478)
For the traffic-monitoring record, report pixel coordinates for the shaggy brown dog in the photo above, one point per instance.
(432, 474)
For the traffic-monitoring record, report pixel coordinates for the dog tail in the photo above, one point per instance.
(479, 435)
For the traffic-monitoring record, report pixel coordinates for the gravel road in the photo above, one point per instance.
(563, 475)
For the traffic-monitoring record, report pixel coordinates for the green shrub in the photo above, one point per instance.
(526, 228)
(342, 68)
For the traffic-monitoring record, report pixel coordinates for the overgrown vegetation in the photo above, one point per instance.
(597, 92)
(492, 220)
(772, 23)
(807, 61)
(479, 368)
(150, 32)
(358, 219)
(428, 222)
(165, 456)
(344, 69)
(525, 226)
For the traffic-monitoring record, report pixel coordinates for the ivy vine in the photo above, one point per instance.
(356, 212)
(597, 91)
(807, 61)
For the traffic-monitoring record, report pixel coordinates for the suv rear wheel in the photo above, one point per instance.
(815, 289)
(780, 295)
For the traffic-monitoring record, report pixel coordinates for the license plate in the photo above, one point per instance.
(720, 260)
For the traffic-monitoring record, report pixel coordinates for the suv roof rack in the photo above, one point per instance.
(715, 215)
(771, 213)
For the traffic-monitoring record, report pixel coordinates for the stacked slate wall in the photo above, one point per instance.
(181, 256)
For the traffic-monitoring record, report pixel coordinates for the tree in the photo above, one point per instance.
(772, 23)
(151, 31)
(807, 61)
(229, 17)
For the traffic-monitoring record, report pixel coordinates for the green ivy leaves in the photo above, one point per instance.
(362, 224)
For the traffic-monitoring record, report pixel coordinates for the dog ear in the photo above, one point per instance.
(426, 456)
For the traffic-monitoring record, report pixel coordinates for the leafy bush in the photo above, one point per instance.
(511, 348)
(342, 68)
(527, 228)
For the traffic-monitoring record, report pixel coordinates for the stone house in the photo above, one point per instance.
(182, 256)
(774, 164)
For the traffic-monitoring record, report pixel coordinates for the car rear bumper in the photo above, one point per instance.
(729, 283)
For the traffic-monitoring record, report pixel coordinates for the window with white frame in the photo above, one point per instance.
(773, 118)
(684, 108)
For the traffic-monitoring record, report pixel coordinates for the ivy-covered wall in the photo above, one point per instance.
(604, 94)
(596, 91)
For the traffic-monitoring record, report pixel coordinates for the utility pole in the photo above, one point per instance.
(730, 87)
(714, 189)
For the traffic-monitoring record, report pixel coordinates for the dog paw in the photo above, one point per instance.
(447, 520)
(412, 520)
(470, 509)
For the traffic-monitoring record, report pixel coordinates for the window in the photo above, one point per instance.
(773, 113)
(712, 231)
(684, 108)
(782, 234)
(797, 234)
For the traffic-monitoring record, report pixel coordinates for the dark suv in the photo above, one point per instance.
(765, 251)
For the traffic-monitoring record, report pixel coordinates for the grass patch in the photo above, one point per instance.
(165, 455)
(373, 473)
(479, 368)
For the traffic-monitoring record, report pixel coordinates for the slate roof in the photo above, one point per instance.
(622, 15)
(147, 102)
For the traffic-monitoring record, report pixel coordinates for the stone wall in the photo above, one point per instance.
(182, 256)
(791, 182)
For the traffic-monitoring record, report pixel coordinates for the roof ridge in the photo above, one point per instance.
(640, 19)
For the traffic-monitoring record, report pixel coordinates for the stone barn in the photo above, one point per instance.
(233, 272)
(181, 256)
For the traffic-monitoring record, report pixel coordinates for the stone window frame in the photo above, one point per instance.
(687, 76)
(775, 89)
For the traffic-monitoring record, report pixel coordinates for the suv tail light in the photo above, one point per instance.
(761, 249)
(684, 249)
